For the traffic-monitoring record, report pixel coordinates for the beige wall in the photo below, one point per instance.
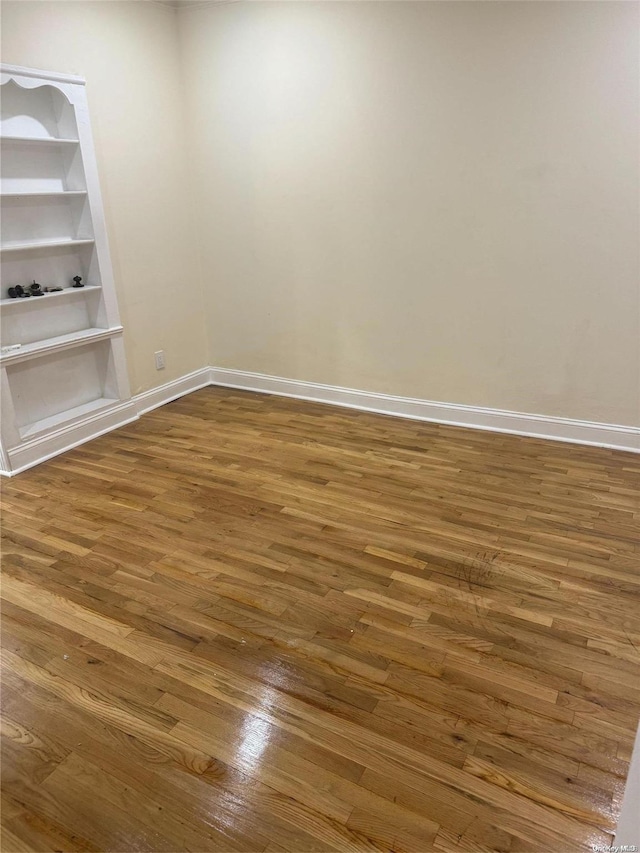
(128, 53)
(437, 200)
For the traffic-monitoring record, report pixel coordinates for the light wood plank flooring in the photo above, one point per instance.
(246, 623)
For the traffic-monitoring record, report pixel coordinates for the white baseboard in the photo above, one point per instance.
(149, 400)
(453, 414)
(69, 436)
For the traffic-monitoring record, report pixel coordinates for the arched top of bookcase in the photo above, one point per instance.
(41, 110)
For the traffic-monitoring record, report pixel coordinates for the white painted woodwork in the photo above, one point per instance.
(67, 380)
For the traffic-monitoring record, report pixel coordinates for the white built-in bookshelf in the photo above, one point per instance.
(62, 362)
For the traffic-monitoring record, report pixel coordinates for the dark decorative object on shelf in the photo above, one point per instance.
(19, 292)
(34, 289)
(52, 289)
(77, 279)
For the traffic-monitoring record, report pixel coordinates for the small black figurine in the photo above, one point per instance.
(21, 293)
(13, 294)
(77, 279)
(35, 289)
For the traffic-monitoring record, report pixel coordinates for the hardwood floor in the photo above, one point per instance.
(246, 623)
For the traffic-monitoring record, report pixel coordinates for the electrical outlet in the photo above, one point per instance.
(159, 356)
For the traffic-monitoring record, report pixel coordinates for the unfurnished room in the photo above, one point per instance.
(320, 426)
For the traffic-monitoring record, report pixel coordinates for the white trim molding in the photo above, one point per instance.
(8, 70)
(149, 400)
(73, 434)
(494, 420)
(68, 436)
(453, 414)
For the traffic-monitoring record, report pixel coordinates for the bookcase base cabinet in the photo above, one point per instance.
(63, 373)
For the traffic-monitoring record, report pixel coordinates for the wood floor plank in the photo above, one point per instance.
(249, 623)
